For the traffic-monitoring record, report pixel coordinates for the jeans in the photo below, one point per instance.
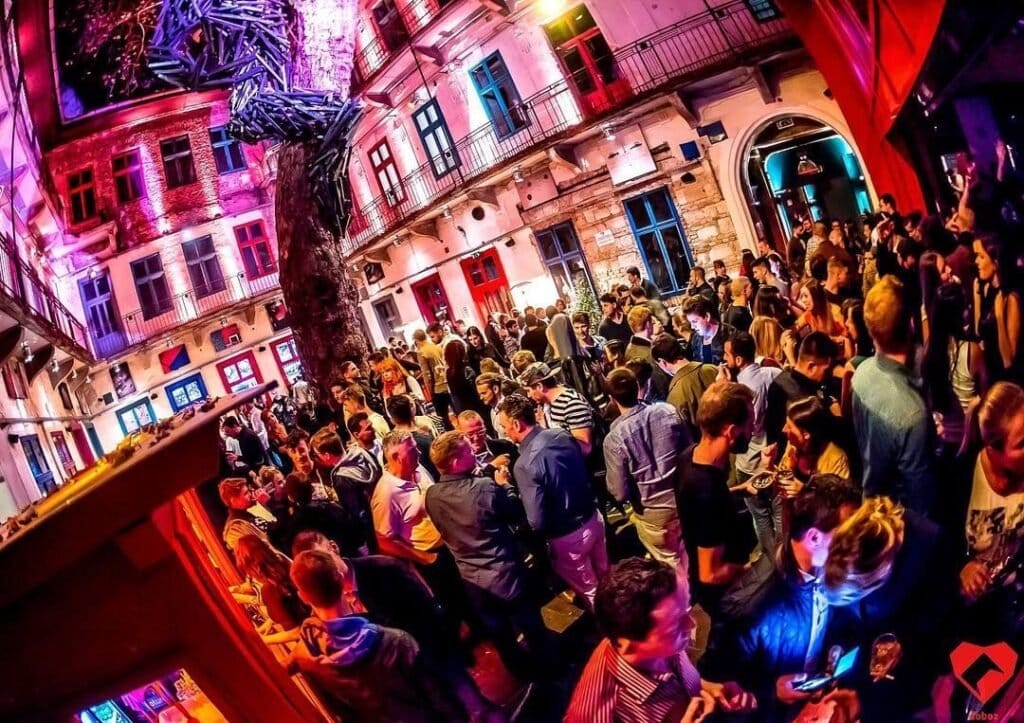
(442, 402)
(766, 511)
(581, 557)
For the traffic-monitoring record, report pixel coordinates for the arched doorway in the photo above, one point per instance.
(795, 168)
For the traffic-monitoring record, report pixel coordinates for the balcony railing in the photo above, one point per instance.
(689, 47)
(414, 16)
(137, 326)
(19, 282)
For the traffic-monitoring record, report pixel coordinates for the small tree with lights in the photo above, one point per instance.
(586, 302)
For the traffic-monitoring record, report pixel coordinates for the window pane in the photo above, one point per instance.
(548, 247)
(573, 59)
(675, 249)
(490, 268)
(637, 210)
(661, 205)
(652, 252)
(567, 239)
(603, 58)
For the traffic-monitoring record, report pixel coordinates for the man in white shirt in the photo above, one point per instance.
(399, 513)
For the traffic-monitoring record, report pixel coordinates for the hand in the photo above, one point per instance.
(846, 706)
(501, 475)
(790, 488)
(699, 708)
(723, 374)
(768, 456)
(502, 460)
(974, 580)
(785, 691)
(746, 488)
(729, 696)
(232, 457)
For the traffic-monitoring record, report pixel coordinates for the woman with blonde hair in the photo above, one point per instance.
(266, 571)
(767, 333)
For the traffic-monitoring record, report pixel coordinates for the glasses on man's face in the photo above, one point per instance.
(476, 433)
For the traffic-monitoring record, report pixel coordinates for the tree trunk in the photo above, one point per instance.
(322, 301)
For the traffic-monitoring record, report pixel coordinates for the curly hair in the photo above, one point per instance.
(628, 594)
(863, 548)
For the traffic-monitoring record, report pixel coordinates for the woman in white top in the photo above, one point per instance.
(995, 514)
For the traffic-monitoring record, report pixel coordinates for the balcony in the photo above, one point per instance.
(35, 305)
(691, 48)
(410, 20)
(195, 304)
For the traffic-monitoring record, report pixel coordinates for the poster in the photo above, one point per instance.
(278, 314)
(226, 337)
(121, 377)
(174, 358)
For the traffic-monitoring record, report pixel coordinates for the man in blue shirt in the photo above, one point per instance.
(893, 427)
(553, 481)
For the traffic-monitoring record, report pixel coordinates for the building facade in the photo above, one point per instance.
(552, 144)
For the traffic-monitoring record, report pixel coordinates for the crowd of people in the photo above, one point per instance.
(821, 454)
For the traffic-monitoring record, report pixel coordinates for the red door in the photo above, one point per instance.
(432, 300)
(82, 444)
(487, 283)
(63, 453)
(239, 373)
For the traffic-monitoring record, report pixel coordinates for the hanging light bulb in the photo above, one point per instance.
(55, 365)
(517, 175)
(447, 213)
(608, 132)
(26, 352)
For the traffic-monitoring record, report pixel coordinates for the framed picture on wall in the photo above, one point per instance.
(174, 358)
(121, 377)
(226, 337)
(278, 314)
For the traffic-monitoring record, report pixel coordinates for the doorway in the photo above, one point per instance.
(432, 300)
(798, 168)
(487, 283)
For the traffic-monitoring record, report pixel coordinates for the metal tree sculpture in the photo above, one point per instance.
(289, 66)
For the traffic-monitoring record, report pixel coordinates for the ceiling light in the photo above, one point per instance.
(26, 352)
(517, 175)
(55, 365)
(447, 213)
(608, 132)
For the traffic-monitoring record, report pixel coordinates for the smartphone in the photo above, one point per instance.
(844, 666)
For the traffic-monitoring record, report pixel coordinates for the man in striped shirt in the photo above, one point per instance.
(640, 673)
(566, 409)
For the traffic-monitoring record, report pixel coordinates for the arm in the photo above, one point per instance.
(414, 388)
(616, 469)
(1008, 318)
(427, 372)
(531, 491)
(712, 569)
(403, 550)
(583, 435)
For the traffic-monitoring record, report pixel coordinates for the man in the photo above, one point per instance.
(837, 280)
(716, 544)
(766, 506)
(721, 276)
(641, 323)
(796, 254)
(817, 238)
(326, 517)
(640, 454)
(652, 380)
(296, 446)
(688, 381)
(613, 324)
(252, 453)
(488, 387)
(890, 419)
(762, 271)
(476, 517)
(403, 414)
(640, 670)
(657, 308)
(635, 279)
(814, 362)
(535, 338)
(353, 400)
(565, 407)
(399, 516)
(708, 341)
(785, 640)
(508, 332)
(245, 515)
(363, 670)
(353, 473)
(364, 437)
(434, 383)
(491, 454)
(551, 473)
(699, 285)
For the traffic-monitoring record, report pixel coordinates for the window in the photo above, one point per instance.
(37, 463)
(390, 25)
(660, 237)
(203, 266)
(239, 373)
(14, 381)
(288, 361)
(386, 172)
(60, 443)
(128, 180)
(135, 416)
(82, 194)
(151, 286)
(436, 140)
(186, 392)
(560, 248)
(227, 152)
(763, 10)
(387, 315)
(254, 247)
(177, 155)
(499, 96)
(101, 314)
(587, 59)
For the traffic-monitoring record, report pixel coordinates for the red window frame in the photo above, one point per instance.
(275, 347)
(14, 382)
(385, 170)
(250, 236)
(241, 380)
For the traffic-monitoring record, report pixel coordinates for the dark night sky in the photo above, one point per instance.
(100, 49)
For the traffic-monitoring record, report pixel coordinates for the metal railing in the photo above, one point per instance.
(140, 325)
(19, 282)
(414, 16)
(685, 48)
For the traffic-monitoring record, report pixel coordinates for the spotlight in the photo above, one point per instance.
(517, 175)
(26, 352)
(223, 321)
(74, 374)
(447, 213)
(608, 132)
(55, 365)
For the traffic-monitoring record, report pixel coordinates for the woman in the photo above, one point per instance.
(767, 333)
(266, 570)
(768, 302)
(997, 320)
(565, 348)
(277, 434)
(858, 343)
(724, 291)
(480, 348)
(818, 314)
(811, 449)
(462, 384)
(933, 272)
(994, 527)
(738, 314)
(951, 365)
(396, 380)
